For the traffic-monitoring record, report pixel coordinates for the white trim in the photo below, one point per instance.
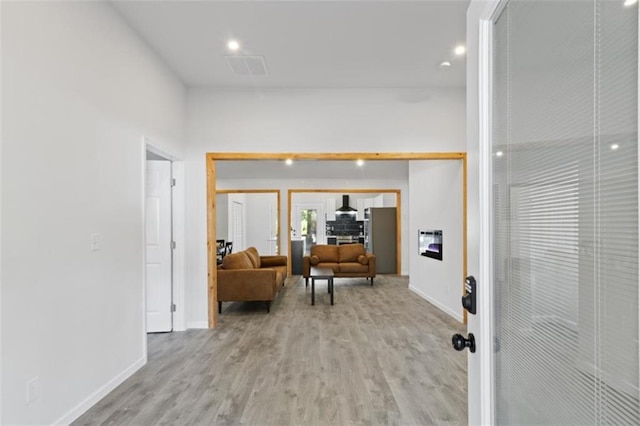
(485, 276)
(1, 363)
(152, 147)
(434, 302)
(103, 391)
(197, 324)
(143, 219)
(179, 253)
(638, 8)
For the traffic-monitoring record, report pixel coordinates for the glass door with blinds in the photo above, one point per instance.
(565, 212)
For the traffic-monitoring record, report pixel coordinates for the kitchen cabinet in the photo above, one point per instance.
(378, 201)
(330, 209)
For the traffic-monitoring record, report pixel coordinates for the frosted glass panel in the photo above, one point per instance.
(565, 212)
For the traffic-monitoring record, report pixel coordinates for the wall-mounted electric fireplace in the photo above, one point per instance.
(430, 243)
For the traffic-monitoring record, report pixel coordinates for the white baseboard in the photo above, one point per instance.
(197, 324)
(92, 399)
(442, 307)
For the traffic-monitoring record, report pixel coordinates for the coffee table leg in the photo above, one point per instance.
(313, 291)
(331, 289)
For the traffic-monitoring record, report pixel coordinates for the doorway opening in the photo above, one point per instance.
(158, 244)
(163, 197)
(212, 158)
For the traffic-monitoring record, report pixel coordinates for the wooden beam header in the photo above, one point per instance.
(220, 156)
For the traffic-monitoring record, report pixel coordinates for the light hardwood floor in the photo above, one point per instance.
(380, 355)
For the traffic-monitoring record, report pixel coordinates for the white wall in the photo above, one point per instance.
(325, 120)
(79, 91)
(222, 217)
(437, 207)
(306, 120)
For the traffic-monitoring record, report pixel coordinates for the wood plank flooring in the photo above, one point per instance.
(380, 355)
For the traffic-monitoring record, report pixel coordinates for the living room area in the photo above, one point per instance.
(409, 181)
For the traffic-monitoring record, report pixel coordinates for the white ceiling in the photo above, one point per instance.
(312, 169)
(307, 44)
(312, 44)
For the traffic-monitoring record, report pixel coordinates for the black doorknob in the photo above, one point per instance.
(459, 342)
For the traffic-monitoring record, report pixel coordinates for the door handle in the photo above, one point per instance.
(460, 342)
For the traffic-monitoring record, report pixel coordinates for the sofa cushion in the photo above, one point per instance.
(239, 260)
(353, 267)
(326, 253)
(350, 252)
(272, 261)
(363, 259)
(252, 252)
(314, 260)
(335, 267)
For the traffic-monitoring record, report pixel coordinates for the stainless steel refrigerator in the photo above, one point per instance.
(381, 238)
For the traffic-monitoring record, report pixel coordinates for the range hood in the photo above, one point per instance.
(345, 209)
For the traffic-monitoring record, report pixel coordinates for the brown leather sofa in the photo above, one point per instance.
(246, 276)
(347, 260)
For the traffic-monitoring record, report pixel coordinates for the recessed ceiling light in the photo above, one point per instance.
(460, 50)
(360, 163)
(499, 154)
(233, 45)
(614, 146)
(445, 64)
(288, 161)
(630, 2)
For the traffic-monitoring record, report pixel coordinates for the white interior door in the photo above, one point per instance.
(158, 246)
(559, 226)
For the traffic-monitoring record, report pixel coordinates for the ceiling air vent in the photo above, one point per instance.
(247, 65)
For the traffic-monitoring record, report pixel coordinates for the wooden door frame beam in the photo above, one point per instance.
(212, 157)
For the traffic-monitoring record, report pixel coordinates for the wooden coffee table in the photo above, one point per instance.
(321, 274)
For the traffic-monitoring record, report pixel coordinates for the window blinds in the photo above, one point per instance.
(565, 212)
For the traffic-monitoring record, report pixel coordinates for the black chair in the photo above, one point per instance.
(220, 250)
